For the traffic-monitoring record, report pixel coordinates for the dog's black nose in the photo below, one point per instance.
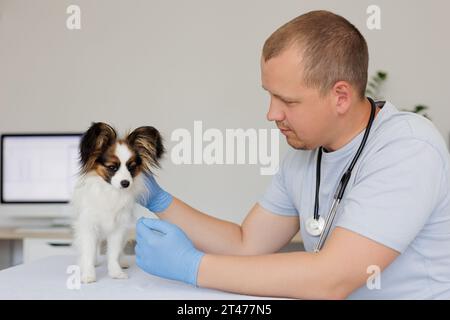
(125, 183)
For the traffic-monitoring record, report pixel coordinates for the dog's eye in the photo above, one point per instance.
(112, 168)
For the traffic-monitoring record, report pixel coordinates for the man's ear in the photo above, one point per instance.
(148, 143)
(342, 93)
(94, 142)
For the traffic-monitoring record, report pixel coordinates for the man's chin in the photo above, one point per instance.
(300, 147)
(297, 144)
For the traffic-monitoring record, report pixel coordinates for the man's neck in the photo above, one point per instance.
(360, 119)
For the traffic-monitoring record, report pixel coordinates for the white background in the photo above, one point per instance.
(168, 63)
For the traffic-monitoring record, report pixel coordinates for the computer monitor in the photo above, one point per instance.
(39, 168)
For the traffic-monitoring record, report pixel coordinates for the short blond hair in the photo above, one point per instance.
(331, 47)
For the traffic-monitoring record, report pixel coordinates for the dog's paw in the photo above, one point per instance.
(118, 275)
(88, 277)
(124, 264)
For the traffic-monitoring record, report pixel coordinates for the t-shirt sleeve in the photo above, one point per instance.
(395, 193)
(276, 198)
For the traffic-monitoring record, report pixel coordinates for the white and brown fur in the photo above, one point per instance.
(111, 180)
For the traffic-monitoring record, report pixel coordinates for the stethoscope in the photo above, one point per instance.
(317, 225)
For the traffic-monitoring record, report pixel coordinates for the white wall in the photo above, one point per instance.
(168, 63)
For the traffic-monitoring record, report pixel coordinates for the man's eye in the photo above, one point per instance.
(288, 102)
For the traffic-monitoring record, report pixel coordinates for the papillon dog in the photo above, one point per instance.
(110, 183)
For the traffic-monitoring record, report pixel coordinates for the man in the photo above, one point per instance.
(395, 213)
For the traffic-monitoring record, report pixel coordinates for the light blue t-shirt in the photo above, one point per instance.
(398, 195)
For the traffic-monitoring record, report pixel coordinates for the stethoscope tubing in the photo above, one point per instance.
(342, 184)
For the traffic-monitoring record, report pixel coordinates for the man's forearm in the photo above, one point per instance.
(298, 275)
(209, 234)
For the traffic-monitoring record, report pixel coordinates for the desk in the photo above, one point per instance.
(25, 244)
(18, 233)
(47, 279)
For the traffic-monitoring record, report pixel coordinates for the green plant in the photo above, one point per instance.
(374, 84)
(420, 109)
(373, 90)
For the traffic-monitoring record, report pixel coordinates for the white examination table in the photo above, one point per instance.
(47, 279)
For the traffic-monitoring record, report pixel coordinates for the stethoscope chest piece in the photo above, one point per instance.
(315, 226)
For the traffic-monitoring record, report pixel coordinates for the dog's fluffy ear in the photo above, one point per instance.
(148, 143)
(94, 142)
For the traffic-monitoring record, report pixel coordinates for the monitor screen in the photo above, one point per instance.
(39, 168)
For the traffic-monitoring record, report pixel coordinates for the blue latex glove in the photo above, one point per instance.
(158, 200)
(164, 250)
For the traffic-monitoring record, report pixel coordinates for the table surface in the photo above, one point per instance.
(48, 278)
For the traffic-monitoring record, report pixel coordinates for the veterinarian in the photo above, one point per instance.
(367, 185)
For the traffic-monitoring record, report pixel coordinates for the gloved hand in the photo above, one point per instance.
(158, 200)
(164, 250)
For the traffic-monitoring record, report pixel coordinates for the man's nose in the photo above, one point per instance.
(275, 112)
